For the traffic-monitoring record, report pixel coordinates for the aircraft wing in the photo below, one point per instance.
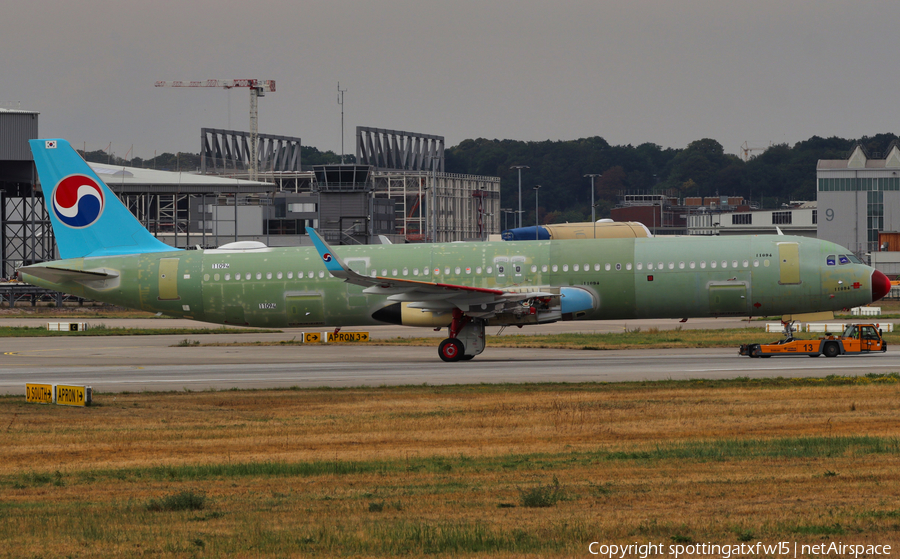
(425, 295)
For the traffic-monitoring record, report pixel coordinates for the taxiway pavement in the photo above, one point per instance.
(137, 363)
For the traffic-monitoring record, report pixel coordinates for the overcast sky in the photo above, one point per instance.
(661, 71)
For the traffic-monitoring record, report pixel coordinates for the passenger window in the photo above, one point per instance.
(311, 274)
(544, 268)
(607, 267)
(671, 265)
(724, 263)
(268, 275)
(692, 264)
(394, 272)
(405, 271)
(555, 267)
(456, 271)
(734, 263)
(415, 271)
(478, 270)
(659, 266)
(756, 263)
(596, 267)
(703, 263)
(577, 267)
(290, 275)
(649, 265)
(446, 271)
(468, 270)
(640, 266)
(830, 259)
(746, 264)
(618, 267)
(227, 277)
(279, 275)
(490, 270)
(533, 268)
(216, 277)
(628, 266)
(321, 273)
(713, 264)
(565, 267)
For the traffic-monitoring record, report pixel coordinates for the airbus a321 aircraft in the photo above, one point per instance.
(107, 255)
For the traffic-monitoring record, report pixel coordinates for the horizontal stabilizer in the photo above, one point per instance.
(58, 275)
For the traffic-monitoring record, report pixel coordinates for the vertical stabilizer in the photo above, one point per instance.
(88, 219)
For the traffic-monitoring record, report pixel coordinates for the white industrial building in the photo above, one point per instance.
(859, 200)
(796, 218)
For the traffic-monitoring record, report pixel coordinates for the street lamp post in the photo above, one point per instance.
(506, 212)
(536, 221)
(593, 205)
(520, 167)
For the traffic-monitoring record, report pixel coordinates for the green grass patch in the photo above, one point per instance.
(692, 451)
(183, 500)
(103, 330)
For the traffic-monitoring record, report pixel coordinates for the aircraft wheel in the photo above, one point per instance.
(883, 347)
(450, 350)
(467, 357)
(831, 350)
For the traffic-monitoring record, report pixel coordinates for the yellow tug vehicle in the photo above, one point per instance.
(856, 339)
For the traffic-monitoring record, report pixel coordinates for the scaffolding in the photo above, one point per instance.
(26, 236)
(442, 207)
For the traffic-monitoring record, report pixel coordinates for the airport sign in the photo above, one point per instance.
(38, 393)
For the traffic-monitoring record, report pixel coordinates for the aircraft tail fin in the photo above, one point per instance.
(87, 218)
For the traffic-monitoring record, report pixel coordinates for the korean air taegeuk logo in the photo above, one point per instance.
(78, 201)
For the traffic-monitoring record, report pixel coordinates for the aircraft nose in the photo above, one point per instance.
(881, 285)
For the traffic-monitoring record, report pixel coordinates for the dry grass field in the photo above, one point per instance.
(474, 471)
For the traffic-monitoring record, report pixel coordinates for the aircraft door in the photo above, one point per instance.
(501, 270)
(168, 279)
(517, 268)
(728, 298)
(789, 263)
(304, 308)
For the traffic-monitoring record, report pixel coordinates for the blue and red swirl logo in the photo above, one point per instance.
(326, 257)
(78, 201)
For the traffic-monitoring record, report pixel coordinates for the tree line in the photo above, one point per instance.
(775, 176)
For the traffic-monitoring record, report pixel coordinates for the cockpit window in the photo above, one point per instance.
(830, 259)
(854, 259)
(845, 259)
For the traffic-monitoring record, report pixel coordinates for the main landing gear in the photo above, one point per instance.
(466, 338)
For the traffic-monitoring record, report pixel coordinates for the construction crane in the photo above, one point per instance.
(258, 88)
(745, 147)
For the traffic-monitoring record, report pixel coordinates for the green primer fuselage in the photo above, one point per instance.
(660, 277)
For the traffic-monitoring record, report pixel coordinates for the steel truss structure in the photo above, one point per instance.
(228, 152)
(399, 151)
(442, 207)
(25, 232)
